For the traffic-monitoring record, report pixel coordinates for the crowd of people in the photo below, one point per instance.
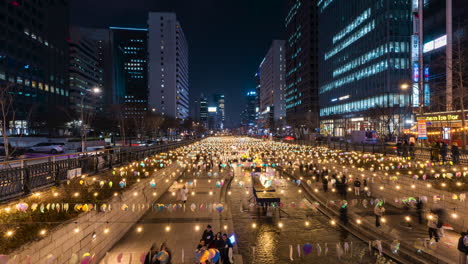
(158, 255)
(220, 242)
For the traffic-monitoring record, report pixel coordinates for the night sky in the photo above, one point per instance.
(227, 38)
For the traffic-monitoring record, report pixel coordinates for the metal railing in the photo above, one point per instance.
(18, 178)
(422, 153)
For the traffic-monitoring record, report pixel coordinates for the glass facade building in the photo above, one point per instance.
(301, 52)
(364, 55)
(130, 46)
(34, 62)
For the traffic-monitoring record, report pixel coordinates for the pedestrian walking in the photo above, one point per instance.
(432, 223)
(455, 153)
(226, 252)
(357, 186)
(151, 256)
(419, 210)
(443, 151)
(405, 149)
(412, 150)
(463, 248)
(164, 255)
(399, 148)
(208, 235)
(344, 212)
(183, 194)
(379, 210)
(325, 184)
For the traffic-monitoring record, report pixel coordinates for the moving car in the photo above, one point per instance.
(51, 148)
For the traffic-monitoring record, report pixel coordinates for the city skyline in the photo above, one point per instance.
(222, 55)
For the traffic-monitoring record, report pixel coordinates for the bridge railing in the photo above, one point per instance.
(18, 178)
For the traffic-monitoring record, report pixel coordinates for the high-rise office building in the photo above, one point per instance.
(34, 60)
(86, 71)
(130, 70)
(301, 93)
(248, 115)
(168, 66)
(203, 111)
(272, 85)
(364, 59)
(219, 102)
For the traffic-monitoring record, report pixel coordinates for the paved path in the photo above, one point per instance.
(180, 229)
(395, 227)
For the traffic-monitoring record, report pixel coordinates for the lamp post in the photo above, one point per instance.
(95, 90)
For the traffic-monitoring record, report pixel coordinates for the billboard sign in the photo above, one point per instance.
(422, 128)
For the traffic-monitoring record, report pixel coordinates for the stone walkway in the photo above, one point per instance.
(180, 229)
(395, 226)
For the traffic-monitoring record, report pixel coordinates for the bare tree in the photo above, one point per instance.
(118, 113)
(387, 120)
(8, 113)
(459, 70)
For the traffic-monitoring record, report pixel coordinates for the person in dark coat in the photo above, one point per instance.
(405, 149)
(455, 153)
(151, 255)
(419, 210)
(443, 151)
(325, 184)
(399, 148)
(225, 251)
(208, 235)
(412, 150)
(344, 213)
(463, 248)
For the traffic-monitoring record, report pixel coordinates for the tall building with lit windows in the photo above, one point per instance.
(34, 62)
(168, 66)
(364, 55)
(86, 71)
(301, 91)
(130, 72)
(272, 86)
(219, 102)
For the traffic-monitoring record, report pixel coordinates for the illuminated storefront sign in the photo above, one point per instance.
(415, 72)
(422, 128)
(415, 47)
(435, 44)
(415, 6)
(446, 117)
(212, 109)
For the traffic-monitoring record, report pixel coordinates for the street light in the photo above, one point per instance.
(94, 90)
(404, 86)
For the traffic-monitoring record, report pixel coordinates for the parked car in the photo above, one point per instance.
(2, 149)
(51, 148)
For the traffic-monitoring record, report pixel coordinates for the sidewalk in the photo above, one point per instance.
(395, 227)
(180, 230)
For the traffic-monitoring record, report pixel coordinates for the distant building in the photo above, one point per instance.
(301, 92)
(34, 62)
(249, 115)
(219, 102)
(213, 120)
(272, 85)
(203, 111)
(131, 70)
(86, 71)
(168, 66)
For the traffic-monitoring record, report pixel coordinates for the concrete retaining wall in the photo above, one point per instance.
(63, 242)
